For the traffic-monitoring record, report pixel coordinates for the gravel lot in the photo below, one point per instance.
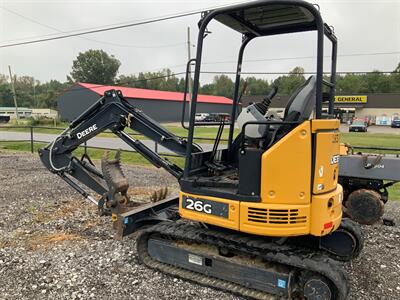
(54, 246)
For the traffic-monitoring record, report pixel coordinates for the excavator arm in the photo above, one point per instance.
(115, 113)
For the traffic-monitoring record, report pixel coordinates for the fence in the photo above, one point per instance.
(32, 140)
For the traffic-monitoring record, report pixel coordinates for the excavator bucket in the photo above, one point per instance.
(117, 183)
(130, 215)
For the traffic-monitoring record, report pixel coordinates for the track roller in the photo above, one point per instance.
(315, 287)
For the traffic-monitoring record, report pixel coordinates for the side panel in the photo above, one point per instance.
(286, 168)
(326, 171)
(274, 219)
(229, 218)
(326, 212)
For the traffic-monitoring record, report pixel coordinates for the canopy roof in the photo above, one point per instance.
(270, 18)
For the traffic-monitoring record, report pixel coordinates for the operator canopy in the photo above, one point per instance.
(269, 19)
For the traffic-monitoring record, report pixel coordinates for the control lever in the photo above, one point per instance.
(263, 106)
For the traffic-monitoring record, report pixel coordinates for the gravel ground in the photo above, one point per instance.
(53, 245)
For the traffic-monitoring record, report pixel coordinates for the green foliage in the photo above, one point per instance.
(288, 84)
(32, 121)
(30, 92)
(163, 80)
(95, 66)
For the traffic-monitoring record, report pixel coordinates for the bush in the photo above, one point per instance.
(31, 121)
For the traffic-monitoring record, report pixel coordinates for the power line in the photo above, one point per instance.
(87, 38)
(282, 58)
(96, 30)
(300, 73)
(112, 27)
(303, 57)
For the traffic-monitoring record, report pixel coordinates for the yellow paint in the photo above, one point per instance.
(318, 125)
(233, 218)
(351, 99)
(286, 168)
(287, 207)
(264, 219)
(326, 171)
(344, 150)
(322, 213)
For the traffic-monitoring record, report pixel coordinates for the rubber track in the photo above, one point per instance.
(355, 229)
(296, 258)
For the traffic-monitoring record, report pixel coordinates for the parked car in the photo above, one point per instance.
(201, 117)
(358, 126)
(217, 117)
(4, 119)
(395, 123)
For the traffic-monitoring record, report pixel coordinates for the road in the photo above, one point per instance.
(101, 142)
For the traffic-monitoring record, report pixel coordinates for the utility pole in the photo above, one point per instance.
(14, 94)
(189, 44)
(34, 93)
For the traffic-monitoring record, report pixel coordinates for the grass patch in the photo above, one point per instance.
(97, 154)
(200, 132)
(394, 192)
(371, 140)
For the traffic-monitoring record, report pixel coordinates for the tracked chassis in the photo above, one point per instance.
(241, 264)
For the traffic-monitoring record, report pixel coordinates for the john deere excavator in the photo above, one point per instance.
(260, 215)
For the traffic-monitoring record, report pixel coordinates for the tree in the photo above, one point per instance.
(95, 66)
(288, 84)
(163, 80)
(257, 86)
(223, 86)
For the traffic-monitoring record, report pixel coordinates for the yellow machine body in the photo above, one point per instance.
(300, 194)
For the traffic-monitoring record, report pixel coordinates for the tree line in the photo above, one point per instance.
(96, 66)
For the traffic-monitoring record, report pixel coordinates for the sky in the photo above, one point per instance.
(362, 27)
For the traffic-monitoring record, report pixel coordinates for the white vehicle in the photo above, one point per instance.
(201, 117)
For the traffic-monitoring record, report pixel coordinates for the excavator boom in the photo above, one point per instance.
(115, 113)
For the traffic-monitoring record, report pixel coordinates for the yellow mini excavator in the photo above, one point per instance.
(259, 215)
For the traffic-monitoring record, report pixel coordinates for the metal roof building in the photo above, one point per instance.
(162, 106)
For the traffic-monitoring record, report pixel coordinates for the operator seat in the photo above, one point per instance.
(302, 102)
(299, 108)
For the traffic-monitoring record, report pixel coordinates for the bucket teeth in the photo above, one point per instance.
(113, 175)
(159, 194)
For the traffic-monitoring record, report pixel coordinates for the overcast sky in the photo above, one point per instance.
(362, 27)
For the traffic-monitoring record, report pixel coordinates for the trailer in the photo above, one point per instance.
(365, 178)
